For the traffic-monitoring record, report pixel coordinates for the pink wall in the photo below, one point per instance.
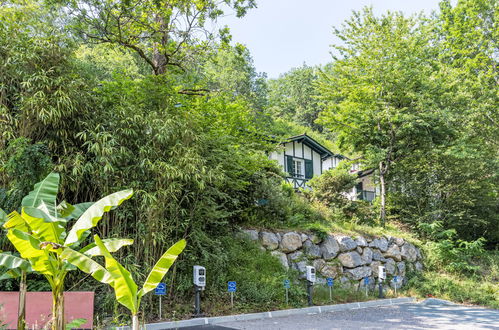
(39, 308)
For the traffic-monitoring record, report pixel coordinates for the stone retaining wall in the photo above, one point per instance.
(346, 259)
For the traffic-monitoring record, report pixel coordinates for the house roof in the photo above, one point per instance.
(308, 141)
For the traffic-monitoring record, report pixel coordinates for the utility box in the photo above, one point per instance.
(199, 276)
(381, 273)
(311, 274)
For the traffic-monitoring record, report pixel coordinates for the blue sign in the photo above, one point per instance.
(287, 285)
(330, 281)
(160, 289)
(395, 279)
(366, 280)
(231, 286)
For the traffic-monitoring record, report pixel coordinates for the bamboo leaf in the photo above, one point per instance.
(124, 286)
(112, 244)
(44, 191)
(94, 213)
(162, 266)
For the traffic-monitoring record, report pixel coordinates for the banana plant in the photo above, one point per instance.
(125, 288)
(39, 234)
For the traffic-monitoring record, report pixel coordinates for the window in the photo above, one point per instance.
(298, 168)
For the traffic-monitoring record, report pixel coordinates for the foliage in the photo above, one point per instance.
(332, 186)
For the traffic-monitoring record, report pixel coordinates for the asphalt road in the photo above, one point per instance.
(427, 315)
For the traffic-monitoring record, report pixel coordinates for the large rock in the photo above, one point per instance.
(378, 256)
(350, 259)
(319, 264)
(269, 240)
(393, 252)
(331, 270)
(399, 241)
(301, 266)
(312, 250)
(390, 266)
(418, 266)
(361, 241)
(295, 256)
(346, 243)
(282, 258)
(315, 239)
(409, 252)
(329, 248)
(251, 234)
(367, 256)
(401, 267)
(304, 237)
(290, 242)
(359, 272)
(379, 243)
(375, 268)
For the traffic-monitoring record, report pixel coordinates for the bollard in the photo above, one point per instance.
(197, 301)
(310, 286)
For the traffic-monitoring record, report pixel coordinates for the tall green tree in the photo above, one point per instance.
(382, 95)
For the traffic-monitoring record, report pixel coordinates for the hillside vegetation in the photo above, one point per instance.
(188, 123)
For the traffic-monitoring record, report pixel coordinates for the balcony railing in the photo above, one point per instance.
(366, 195)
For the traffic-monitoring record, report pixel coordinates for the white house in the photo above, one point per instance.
(302, 158)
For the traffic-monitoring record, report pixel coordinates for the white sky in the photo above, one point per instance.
(282, 34)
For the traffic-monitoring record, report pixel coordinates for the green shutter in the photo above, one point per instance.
(290, 165)
(309, 169)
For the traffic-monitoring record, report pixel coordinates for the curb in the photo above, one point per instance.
(268, 315)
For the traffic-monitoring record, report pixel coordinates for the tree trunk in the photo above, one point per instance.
(135, 322)
(382, 213)
(58, 308)
(21, 312)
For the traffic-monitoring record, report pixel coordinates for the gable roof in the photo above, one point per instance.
(310, 142)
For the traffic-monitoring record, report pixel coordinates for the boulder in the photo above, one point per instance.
(393, 252)
(290, 242)
(251, 234)
(379, 243)
(312, 250)
(399, 241)
(269, 240)
(350, 259)
(304, 237)
(331, 270)
(359, 272)
(318, 264)
(359, 250)
(409, 252)
(418, 266)
(378, 256)
(297, 255)
(401, 268)
(329, 248)
(390, 266)
(367, 255)
(345, 282)
(282, 258)
(361, 241)
(301, 266)
(346, 243)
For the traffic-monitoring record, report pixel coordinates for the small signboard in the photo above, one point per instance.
(366, 280)
(287, 284)
(160, 289)
(231, 286)
(395, 279)
(330, 281)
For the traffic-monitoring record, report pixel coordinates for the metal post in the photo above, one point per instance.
(232, 299)
(287, 296)
(381, 295)
(197, 300)
(160, 307)
(310, 285)
(330, 293)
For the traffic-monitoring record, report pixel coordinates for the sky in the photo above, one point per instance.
(283, 34)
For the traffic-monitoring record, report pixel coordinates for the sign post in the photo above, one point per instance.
(330, 284)
(395, 279)
(231, 287)
(287, 285)
(160, 291)
(366, 284)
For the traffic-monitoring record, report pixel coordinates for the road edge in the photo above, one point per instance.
(268, 315)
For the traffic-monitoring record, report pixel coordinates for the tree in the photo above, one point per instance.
(122, 281)
(380, 91)
(38, 234)
(163, 33)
